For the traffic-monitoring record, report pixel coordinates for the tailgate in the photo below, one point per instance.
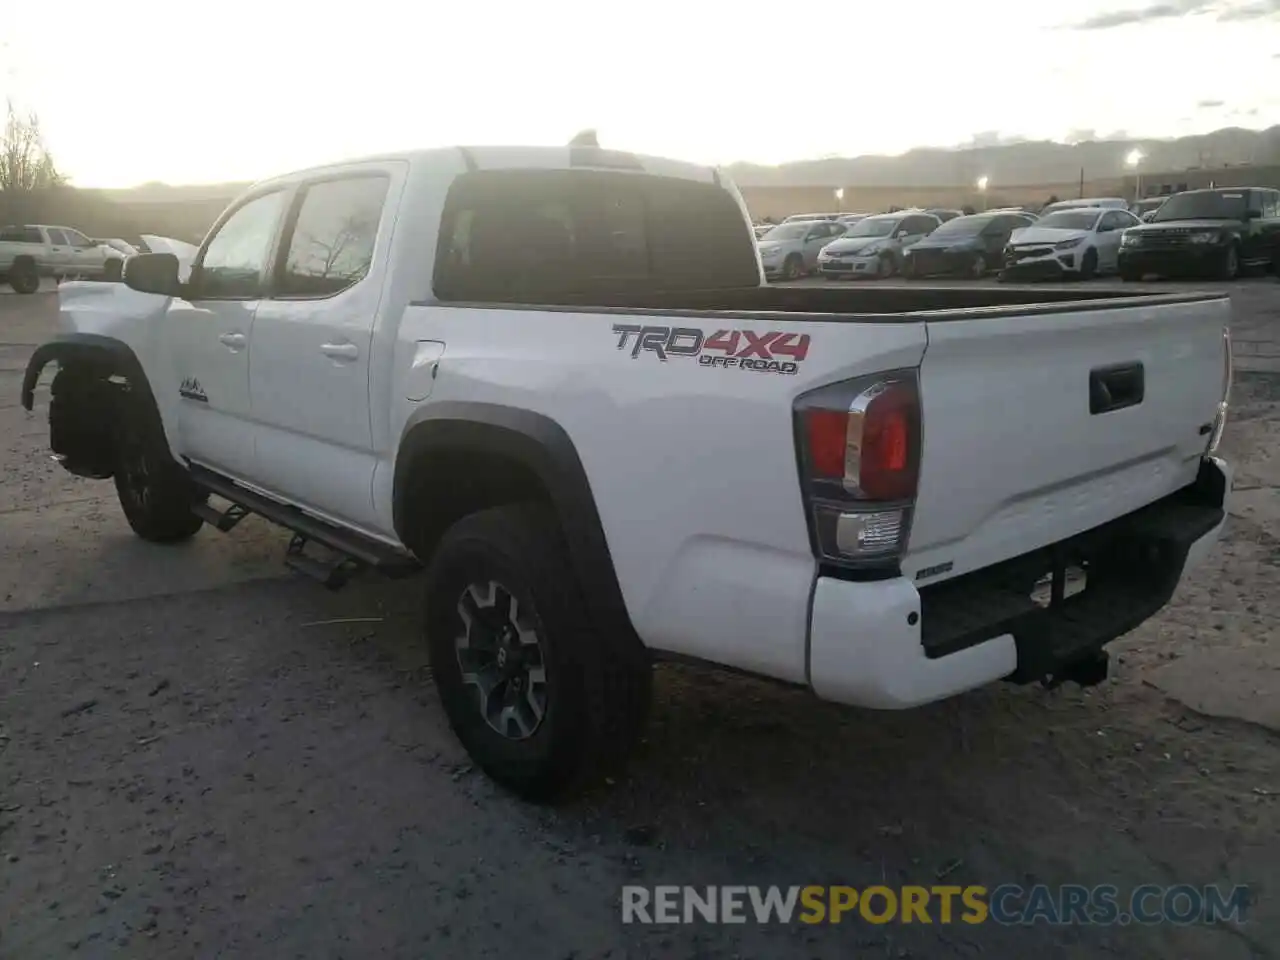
(1040, 426)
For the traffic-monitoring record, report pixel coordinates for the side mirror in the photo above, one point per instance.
(153, 273)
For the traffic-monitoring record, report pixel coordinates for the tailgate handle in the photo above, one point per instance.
(1116, 387)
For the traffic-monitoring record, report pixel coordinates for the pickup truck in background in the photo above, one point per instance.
(32, 251)
(554, 378)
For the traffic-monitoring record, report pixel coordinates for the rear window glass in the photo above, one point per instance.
(20, 235)
(536, 235)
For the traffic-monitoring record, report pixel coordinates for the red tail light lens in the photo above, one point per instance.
(869, 443)
(889, 427)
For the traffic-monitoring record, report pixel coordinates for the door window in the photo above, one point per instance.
(57, 238)
(330, 247)
(1270, 204)
(235, 260)
(77, 239)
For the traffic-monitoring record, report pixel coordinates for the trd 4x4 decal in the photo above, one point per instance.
(774, 351)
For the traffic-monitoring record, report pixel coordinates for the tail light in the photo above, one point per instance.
(859, 447)
(1220, 418)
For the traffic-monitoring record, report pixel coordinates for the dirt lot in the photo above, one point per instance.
(196, 761)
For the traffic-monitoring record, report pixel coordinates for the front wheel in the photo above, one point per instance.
(543, 701)
(978, 269)
(792, 267)
(155, 492)
(885, 268)
(1229, 268)
(1089, 265)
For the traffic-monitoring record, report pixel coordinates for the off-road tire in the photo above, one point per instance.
(24, 277)
(155, 493)
(598, 682)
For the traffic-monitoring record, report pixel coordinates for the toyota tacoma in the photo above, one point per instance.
(555, 379)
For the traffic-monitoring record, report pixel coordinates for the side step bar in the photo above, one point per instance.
(353, 549)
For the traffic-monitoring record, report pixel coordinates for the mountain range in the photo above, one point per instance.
(1021, 162)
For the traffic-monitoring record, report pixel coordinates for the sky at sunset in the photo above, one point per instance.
(184, 93)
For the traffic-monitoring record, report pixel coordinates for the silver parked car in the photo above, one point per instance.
(873, 247)
(790, 250)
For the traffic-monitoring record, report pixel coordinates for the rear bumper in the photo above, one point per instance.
(888, 645)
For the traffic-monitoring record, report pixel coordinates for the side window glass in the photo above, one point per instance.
(1271, 204)
(235, 260)
(57, 238)
(331, 245)
(77, 239)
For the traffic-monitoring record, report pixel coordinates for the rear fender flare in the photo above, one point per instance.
(540, 444)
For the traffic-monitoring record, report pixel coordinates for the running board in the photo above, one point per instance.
(352, 548)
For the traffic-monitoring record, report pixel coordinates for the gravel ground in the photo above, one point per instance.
(197, 761)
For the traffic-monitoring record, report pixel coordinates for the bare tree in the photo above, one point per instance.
(25, 163)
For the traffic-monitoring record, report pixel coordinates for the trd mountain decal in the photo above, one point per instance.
(191, 390)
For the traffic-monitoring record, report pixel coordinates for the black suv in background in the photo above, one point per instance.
(1216, 232)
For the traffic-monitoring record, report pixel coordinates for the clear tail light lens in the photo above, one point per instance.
(859, 446)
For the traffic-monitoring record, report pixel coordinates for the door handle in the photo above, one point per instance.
(340, 351)
(233, 341)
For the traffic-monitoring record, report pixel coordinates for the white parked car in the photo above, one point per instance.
(1106, 203)
(1081, 242)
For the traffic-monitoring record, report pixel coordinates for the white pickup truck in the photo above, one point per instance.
(555, 378)
(31, 251)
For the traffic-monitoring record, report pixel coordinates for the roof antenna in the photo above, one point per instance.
(587, 138)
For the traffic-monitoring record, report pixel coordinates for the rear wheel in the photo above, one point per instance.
(543, 701)
(23, 276)
(155, 493)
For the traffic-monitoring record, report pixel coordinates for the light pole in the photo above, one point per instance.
(982, 189)
(840, 199)
(1134, 159)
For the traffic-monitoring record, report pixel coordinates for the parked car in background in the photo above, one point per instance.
(971, 246)
(1217, 232)
(1105, 203)
(1144, 209)
(1076, 242)
(760, 229)
(944, 214)
(790, 250)
(122, 247)
(873, 247)
(851, 217)
(31, 251)
(799, 217)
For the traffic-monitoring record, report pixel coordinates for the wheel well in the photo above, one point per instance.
(447, 484)
(23, 260)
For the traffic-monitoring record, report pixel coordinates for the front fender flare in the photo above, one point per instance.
(113, 355)
(542, 445)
